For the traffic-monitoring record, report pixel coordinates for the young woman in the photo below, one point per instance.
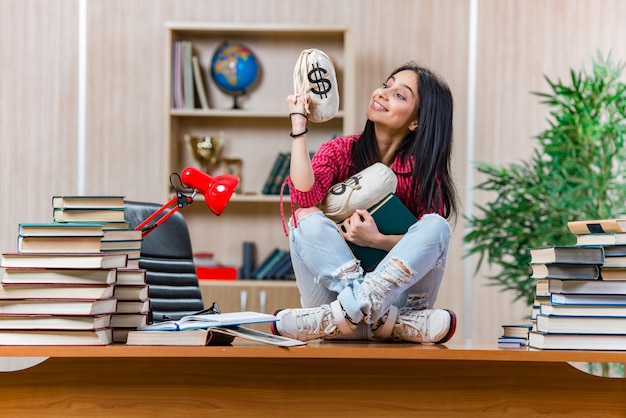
(408, 128)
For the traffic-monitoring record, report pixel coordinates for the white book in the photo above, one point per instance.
(199, 83)
(204, 321)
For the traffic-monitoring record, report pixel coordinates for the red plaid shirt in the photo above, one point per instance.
(332, 164)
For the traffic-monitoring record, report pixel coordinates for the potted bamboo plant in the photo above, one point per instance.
(575, 172)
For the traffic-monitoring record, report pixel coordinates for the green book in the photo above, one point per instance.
(392, 217)
(269, 182)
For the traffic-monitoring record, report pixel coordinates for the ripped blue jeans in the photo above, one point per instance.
(408, 276)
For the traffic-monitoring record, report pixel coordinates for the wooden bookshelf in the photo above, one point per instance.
(255, 134)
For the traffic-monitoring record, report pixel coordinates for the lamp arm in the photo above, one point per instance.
(179, 199)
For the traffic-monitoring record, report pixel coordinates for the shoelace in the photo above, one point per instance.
(308, 323)
(414, 324)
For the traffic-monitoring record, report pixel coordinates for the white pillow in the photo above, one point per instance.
(314, 73)
(361, 191)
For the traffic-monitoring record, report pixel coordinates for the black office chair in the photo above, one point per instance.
(167, 255)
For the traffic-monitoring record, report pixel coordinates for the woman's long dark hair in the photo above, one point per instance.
(430, 145)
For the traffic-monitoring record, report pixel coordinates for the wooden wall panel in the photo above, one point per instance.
(38, 110)
(518, 42)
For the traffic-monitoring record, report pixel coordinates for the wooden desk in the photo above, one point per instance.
(323, 379)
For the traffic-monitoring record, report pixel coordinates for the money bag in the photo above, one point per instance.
(314, 73)
(360, 191)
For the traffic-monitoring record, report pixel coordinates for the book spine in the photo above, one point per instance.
(267, 186)
(248, 250)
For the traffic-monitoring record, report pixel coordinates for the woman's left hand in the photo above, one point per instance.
(361, 229)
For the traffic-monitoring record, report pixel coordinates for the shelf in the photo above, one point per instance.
(259, 198)
(233, 113)
(251, 198)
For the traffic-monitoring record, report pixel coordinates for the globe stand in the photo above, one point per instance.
(235, 97)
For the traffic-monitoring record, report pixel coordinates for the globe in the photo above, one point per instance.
(234, 68)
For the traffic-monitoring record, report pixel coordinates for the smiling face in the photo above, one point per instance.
(393, 106)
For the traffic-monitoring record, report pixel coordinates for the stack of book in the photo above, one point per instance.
(133, 303)
(579, 308)
(58, 298)
(609, 234)
(514, 335)
(107, 211)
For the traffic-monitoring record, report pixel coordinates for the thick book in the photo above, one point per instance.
(88, 215)
(516, 330)
(133, 306)
(615, 238)
(57, 306)
(581, 324)
(618, 261)
(58, 229)
(598, 287)
(66, 245)
(129, 320)
(58, 260)
(614, 251)
(121, 245)
(613, 273)
(54, 322)
(194, 337)
(586, 299)
(131, 292)
(88, 202)
(565, 271)
(121, 234)
(127, 276)
(392, 217)
(597, 226)
(565, 254)
(550, 341)
(203, 321)
(102, 336)
(58, 276)
(35, 291)
(511, 342)
(583, 310)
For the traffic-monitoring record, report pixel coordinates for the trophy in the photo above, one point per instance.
(205, 149)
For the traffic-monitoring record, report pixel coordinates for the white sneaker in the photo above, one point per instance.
(306, 324)
(424, 326)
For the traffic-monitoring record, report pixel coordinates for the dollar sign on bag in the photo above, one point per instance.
(323, 84)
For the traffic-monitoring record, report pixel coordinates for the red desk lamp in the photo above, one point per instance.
(217, 192)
